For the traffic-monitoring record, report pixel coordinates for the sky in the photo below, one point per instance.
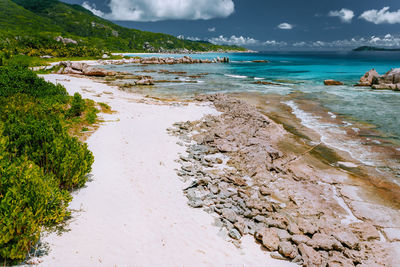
(262, 24)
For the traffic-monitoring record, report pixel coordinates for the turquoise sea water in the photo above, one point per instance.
(304, 72)
(297, 74)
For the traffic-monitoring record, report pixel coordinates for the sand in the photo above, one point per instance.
(133, 212)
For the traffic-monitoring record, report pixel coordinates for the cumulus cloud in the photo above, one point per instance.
(285, 26)
(274, 43)
(212, 29)
(156, 10)
(381, 16)
(387, 41)
(345, 15)
(93, 9)
(234, 40)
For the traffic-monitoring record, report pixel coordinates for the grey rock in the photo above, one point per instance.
(229, 214)
(288, 250)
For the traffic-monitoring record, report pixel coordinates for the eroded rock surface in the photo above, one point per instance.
(234, 168)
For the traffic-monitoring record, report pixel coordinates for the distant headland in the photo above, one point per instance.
(373, 48)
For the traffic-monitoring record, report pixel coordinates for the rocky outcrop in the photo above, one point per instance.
(332, 82)
(162, 61)
(68, 67)
(65, 40)
(144, 81)
(388, 81)
(233, 168)
(370, 78)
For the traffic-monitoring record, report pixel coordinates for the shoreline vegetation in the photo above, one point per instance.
(42, 159)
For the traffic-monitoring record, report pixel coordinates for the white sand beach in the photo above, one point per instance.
(133, 212)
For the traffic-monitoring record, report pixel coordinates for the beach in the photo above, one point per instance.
(220, 179)
(133, 211)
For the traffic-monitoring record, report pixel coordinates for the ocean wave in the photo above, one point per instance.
(257, 78)
(329, 135)
(236, 76)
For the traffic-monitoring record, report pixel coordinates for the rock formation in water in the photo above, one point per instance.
(332, 82)
(390, 80)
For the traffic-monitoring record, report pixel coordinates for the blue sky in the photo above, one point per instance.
(262, 24)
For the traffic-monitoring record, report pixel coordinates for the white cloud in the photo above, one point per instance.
(190, 38)
(274, 43)
(299, 44)
(381, 16)
(234, 40)
(212, 29)
(285, 26)
(345, 15)
(93, 9)
(156, 10)
(387, 41)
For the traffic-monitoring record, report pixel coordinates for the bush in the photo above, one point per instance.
(39, 160)
(15, 79)
(77, 107)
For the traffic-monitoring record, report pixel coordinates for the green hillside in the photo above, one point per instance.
(31, 26)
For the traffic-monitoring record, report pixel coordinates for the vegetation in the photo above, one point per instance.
(40, 162)
(32, 28)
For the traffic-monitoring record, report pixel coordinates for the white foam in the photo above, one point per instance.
(257, 78)
(330, 135)
(347, 164)
(333, 116)
(236, 76)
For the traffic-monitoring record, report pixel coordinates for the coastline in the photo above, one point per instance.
(353, 191)
(133, 212)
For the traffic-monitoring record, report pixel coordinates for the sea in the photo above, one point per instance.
(360, 121)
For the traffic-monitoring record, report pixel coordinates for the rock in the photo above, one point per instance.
(144, 81)
(265, 191)
(278, 256)
(299, 239)
(269, 238)
(306, 227)
(365, 231)
(282, 234)
(391, 77)
(369, 78)
(288, 250)
(392, 234)
(241, 225)
(69, 70)
(310, 256)
(346, 238)
(332, 82)
(195, 203)
(386, 86)
(77, 66)
(234, 233)
(337, 259)
(65, 40)
(229, 214)
(293, 229)
(325, 242)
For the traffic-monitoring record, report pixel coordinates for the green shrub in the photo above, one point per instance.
(39, 161)
(16, 79)
(77, 107)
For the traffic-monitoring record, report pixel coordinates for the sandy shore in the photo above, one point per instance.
(133, 212)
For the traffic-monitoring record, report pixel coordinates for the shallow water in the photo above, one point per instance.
(357, 120)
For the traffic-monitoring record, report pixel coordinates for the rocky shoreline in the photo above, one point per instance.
(306, 214)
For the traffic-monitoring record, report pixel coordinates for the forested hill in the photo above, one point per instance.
(33, 26)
